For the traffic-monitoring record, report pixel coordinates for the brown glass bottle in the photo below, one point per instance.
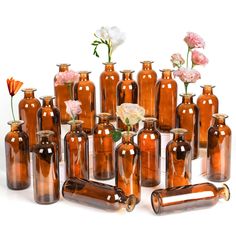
(178, 160)
(103, 149)
(46, 170)
(76, 149)
(219, 150)
(49, 119)
(147, 79)
(149, 141)
(97, 194)
(109, 79)
(187, 197)
(187, 116)
(28, 108)
(207, 103)
(63, 93)
(85, 93)
(17, 157)
(166, 101)
(127, 92)
(128, 166)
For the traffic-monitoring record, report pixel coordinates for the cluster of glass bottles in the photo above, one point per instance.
(132, 165)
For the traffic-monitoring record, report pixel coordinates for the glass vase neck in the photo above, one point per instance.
(44, 136)
(150, 123)
(207, 89)
(178, 134)
(224, 192)
(28, 92)
(187, 98)
(147, 65)
(166, 74)
(63, 67)
(128, 137)
(16, 125)
(47, 101)
(84, 75)
(127, 74)
(104, 117)
(219, 119)
(75, 125)
(109, 66)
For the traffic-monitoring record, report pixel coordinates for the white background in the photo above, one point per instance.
(36, 35)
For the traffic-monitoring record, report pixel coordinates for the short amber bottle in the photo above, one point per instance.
(46, 170)
(207, 103)
(97, 194)
(187, 197)
(219, 150)
(85, 93)
(178, 160)
(166, 101)
(127, 92)
(63, 93)
(49, 119)
(103, 149)
(28, 108)
(187, 114)
(109, 79)
(128, 166)
(149, 142)
(76, 148)
(17, 157)
(147, 79)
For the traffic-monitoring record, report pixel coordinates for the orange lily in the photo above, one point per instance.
(13, 86)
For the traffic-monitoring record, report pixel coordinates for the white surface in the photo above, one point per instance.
(36, 35)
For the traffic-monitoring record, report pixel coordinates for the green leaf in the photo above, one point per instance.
(116, 135)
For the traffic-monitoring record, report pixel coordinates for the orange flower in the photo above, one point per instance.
(13, 86)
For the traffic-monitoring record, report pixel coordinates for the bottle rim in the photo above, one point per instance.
(127, 71)
(28, 89)
(109, 63)
(187, 95)
(77, 122)
(220, 116)
(207, 85)
(131, 203)
(45, 132)
(178, 131)
(47, 97)
(226, 192)
(17, 122)
(63, 64)
(146, 62)
(156, 207)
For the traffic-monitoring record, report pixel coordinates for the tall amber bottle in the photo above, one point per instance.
(149, 142)
(46, 170)
(103, 149)
(109, 79)
(219, 150)
(128, 166)
(147, 79)
(28, 108)
(187, 114)
(187, 197)
(63, 93)
(97, 194)
(85, 93)
(17, 157)
(127, 92)
(76, 149)
(178, 160)
(49, 119)
(207, 103)
(166, 101)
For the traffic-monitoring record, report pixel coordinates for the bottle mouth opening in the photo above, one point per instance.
(127, 71)
(178, 131)
(104, 115)
(226, 192)
(130, 133)
(15, 122)
(166, 70)
(189, 95)
(77, 122)
(149, 119)
(131, 202)
(146, 62)
(207, 86)
(45, 133)
(84, 72)
(109, 63)
(220, 116)
(28, 90)
(63, 64)
(47, 97)
(156, 202)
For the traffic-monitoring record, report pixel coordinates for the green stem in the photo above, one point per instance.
(109, 51)
(12, 111)
(128, 129)
(186, 87)
(187, 57)
(69, 87)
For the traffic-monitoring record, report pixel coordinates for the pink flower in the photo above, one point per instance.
(177, 60)
(193, 40)
(187, 75)
(199, 58)
(66, 77)
(73, 108)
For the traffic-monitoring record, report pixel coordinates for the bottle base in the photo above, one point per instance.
(46, 200)
(103, 176)
(18, 186)
(217, 178)
(149, 183)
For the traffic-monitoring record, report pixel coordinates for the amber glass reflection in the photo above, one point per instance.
(147, 79)
(128, 166)
(49, 119)
(187, 114)
(76, 151)
(207, 103)
(109, 79)
(187, 197)
(103, 149)
(149, 142)
(97, 194)
(28, 108)
(85, 93)
(62, 94)
(127, 92)
(166, 101)
(46, 170)
(178, 160)
(17, 157)
(219, 150)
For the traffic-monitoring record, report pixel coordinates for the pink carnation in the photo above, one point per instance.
(187, 75)
(193, 40)
(66, 77)
(177, 60)
(199, 58)
(73, 108)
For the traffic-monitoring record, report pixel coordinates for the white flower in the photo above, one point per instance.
(130, 113)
